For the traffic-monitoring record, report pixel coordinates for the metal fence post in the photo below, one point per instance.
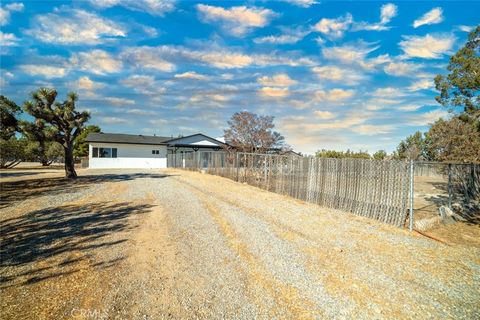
(411, 195)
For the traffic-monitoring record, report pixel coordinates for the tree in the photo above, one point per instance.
(461, 87)
(12, 152)
(41, 133)
(412, 148)
(454, 140)
(66, 122)
(342, 154)
(249, 132)
(380, 155)
(9, 111)
(80, 146)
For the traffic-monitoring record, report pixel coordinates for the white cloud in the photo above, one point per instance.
(401, 68)
(119, 101)
(336, 74)
(273, 92)
(280, 39)
(433, 16)
(333, 95)
(140, 81)
(355, 54)
(300, 104)
(289, 36)
(141, 112)
(465, 28)
(148, 58)
(278, 80)
(113, 120)
(348, 53)
(428, 47)
(302, 125)
(427, 118)
(334, 28)
(409, 107)
(158, 122)
(302, 3)
(144, 84)
(74, 27)
(210, 96)
(387, 12)
(153, 7)
(85, 83)
(422, 84)
(191, 75)
(6, 10)
(324, 115)
(370, 130)
(96, 61)
(236, 20)
(388, 92)
(46, 71)
(8, 39)
(3, 77)
(163, 57)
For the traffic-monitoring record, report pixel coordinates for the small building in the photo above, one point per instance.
(114, 150)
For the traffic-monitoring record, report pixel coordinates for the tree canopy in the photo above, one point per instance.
(342, 154)
(80, 146)
(9, 111)
(457, 138)
(66, 122)
(461, 86)
(253, 133)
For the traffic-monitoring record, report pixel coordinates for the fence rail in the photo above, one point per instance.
(370, 188)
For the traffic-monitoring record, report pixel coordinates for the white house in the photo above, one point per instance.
(113, 150)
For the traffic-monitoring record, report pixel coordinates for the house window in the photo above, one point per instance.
(104, 153)
(155, 151)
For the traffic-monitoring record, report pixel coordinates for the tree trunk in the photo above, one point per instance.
(43, 157)
(69, 163)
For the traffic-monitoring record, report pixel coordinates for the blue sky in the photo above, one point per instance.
(334, 74)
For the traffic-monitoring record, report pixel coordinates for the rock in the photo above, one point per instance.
(446, 215)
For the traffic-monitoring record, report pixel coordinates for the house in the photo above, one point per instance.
(114, 150)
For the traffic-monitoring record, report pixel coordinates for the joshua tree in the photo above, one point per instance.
(41, 133)
(66, 122)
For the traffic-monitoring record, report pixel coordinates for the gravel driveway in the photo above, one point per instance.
(176, 244)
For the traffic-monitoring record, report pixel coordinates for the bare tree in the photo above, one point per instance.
(249, 132)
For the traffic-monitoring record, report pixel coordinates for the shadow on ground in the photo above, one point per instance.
(61, 237)
(6, 174)
(470, 207)
(15, 191)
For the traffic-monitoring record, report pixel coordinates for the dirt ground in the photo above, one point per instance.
(124, 244)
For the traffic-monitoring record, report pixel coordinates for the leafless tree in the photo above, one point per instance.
(249, 132)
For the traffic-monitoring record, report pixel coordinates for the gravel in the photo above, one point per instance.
(189, 245)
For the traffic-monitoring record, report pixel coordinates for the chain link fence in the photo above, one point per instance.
(370, 188)
(454, 186)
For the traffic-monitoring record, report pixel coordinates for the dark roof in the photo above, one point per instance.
(126, 138)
